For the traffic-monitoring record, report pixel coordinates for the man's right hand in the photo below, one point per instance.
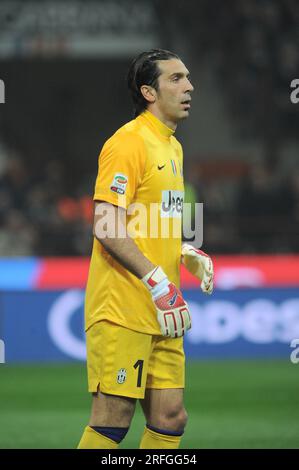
(172, 311)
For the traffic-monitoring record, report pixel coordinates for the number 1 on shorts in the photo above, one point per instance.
(139, 365)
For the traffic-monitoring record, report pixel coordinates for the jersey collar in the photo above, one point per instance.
(158, 125)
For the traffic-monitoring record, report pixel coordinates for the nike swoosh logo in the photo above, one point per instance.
(173, 299)
(160, 167)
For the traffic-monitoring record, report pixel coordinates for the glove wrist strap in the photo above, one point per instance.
(156, 282)
(151, 279)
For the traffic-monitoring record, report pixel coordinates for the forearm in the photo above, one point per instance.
(126, 252)
(117, 241)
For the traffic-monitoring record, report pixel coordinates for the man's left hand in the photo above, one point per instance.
(200, 265)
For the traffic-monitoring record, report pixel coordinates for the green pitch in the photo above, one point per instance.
(231, 404)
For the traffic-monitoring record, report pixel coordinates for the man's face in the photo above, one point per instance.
(174, 93)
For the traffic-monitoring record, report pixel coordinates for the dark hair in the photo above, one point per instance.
(145, 71)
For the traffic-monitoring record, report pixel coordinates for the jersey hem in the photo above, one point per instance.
(124, 325)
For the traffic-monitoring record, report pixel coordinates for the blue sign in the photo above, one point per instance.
(48, 326)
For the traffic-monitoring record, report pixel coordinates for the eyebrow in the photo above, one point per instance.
(180, 75)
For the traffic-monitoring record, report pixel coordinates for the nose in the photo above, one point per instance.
(190, 87)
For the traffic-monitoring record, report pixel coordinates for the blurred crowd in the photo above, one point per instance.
(256, 210)
(38, 216)
(254, 48)
(266, 53)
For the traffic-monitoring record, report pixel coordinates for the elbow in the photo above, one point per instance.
(98, 237)
(104, 240)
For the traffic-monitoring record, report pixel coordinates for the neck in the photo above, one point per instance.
(168, 122)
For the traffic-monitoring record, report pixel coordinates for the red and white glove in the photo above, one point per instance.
(200, 265)
(172, 311)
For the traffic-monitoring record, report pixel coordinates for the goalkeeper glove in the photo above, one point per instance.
(172, 311)
(200, 265)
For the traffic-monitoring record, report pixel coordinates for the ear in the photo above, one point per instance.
(149, 93)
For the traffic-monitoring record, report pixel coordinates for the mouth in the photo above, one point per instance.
(186, 103)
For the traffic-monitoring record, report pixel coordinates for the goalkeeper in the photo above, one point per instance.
(135, 314)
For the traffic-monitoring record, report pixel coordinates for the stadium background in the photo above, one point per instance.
(63, 65)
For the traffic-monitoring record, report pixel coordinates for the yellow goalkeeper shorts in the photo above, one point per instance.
(125, 362)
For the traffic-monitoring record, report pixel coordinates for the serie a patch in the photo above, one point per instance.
(119, 183)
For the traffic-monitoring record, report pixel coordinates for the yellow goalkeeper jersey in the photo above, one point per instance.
(140, 169)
